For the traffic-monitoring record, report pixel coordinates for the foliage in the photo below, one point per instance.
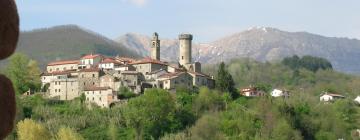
(213, 114)
(125, 93)
(308, 62)
(66, 133)
(31, 130)
(150, 115)
(24, 73)
(224, 81)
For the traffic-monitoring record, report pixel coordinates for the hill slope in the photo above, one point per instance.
(67, 42)
(269, 44)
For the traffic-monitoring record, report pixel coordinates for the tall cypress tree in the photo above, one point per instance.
(224, 81)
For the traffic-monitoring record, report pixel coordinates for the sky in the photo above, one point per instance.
(207, 20)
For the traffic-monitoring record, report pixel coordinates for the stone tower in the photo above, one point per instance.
(155, 47)
(185, 49)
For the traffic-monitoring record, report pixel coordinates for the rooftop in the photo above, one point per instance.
(171, 75)
(91, 56)
(110, 60)
(149, 60)
(58, 73)
(63, 62)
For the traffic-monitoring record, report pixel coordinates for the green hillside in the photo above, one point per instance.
(66, 42)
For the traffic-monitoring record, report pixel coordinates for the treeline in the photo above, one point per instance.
(207, 114)
(308, 62)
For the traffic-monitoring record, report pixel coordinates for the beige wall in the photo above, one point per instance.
(184, 80)
(61, 67)
(102, 98)
(64, 89)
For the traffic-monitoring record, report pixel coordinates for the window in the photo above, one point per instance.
(93, 83)
(82, 75)
(93, 98)
(44, 78)
(59, 90)
(57, 69)
(72, 67)
(55, 90)
(50, 70)
(84, 83)
(182, 57)
(99, 98)
(93, 75)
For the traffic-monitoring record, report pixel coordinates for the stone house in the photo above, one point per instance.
(89, 77)
(64, 88)
(132, 80)
(152, 76)
(148, 65)
(200, 79)
(101, 96)
(172, 80)
(110, 81)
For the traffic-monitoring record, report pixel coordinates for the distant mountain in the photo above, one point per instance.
(67, 42)
(141, 44)
(262, 44)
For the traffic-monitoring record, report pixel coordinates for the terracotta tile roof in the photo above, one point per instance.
(96, 88)
(90, 70)
(171, 75)
(199, 74)
(125, 59)
(110, 60)
(130, 72)
(156, 71)
(91, 56)
(58, 73)
(64, 62)
(149, 60)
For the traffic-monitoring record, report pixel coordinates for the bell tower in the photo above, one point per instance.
(155, 47)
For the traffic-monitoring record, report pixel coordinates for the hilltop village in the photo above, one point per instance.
(99, 77)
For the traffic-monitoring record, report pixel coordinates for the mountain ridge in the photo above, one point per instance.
(67, 42)
(268, 44)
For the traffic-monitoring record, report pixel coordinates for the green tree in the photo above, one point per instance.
(112, 131)
(224, 81)
(24, 73)
(151, 114)
(66, 133)
(30, 130)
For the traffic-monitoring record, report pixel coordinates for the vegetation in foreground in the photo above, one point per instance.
(204, 113)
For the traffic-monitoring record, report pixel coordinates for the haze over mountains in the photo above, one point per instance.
(259, 43)
(262, 44)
